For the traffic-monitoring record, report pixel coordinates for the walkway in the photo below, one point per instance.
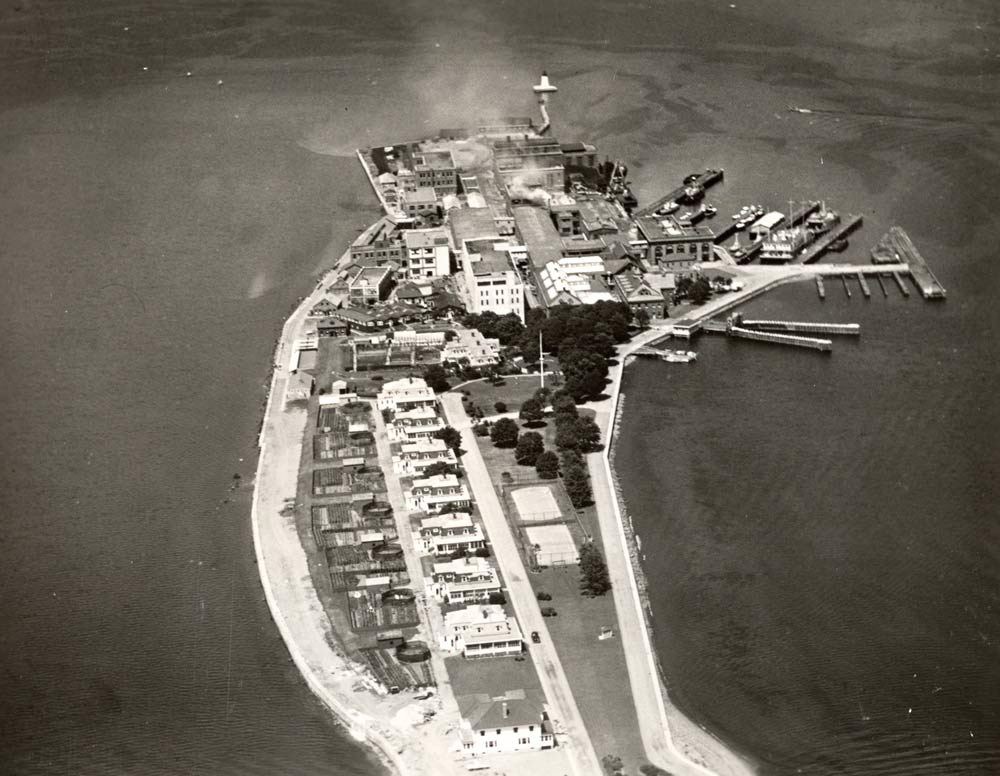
(570, 729)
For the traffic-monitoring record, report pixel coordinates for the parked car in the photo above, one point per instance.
(535, 638)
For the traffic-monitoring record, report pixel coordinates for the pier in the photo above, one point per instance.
(881, 285)
(901, 283)
(896, 246)
(864, 286)
(816, 249)
(813, 343)
(820, 288)
(705, 180)
(847, 288)
(801, 327)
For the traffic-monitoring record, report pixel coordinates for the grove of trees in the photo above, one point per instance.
(595, 579)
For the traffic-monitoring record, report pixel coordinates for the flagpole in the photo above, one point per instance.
(541, 358)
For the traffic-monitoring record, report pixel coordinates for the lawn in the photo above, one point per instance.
(513, 392)
(596, 669)
(492, 676)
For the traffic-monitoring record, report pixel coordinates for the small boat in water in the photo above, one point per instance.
(679, 356)
(839, 245)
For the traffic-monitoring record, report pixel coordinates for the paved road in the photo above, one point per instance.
(562, 706)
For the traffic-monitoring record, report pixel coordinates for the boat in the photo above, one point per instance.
(822, 220)
(668, 208)
(795, 109)
(689, 179)
(838, 245)
(709, 210)
(679, 356)
(692, 194)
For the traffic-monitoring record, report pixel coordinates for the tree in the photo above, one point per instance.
(642, 318)
(440, 467)
(437, 378)
(500, 406)
(577, 483)
(531, 411)
(588, 434)
(700, 291)
(529, 447)
(566, 438)
(504, 433)
(451, 437)
(563, 404)
(595, 579)
(547, 465)
(498, 598)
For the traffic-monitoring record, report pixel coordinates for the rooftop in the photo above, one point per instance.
(437, 160)
(425, 238)
(515, 707)
(492, 261)
(538, 234)
(424, 195)
(667, 228)
(471, 223)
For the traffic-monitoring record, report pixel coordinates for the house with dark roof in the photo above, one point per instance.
(513, 722)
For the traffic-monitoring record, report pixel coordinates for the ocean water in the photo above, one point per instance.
(156, 228)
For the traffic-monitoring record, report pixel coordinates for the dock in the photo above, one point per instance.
(800, 327)
(881, 285)
(864, 286)
(705, 180)
(901, 283)
(896, 246)
(847, 288)
(813, 343)
(820, 288)
(816, 249)
(800, 215)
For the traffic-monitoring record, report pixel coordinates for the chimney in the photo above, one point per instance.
(506, 711)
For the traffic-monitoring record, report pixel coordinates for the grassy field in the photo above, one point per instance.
(513, 392)
(491, 675)
(596, 669)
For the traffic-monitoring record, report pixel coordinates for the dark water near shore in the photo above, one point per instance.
(824, 529)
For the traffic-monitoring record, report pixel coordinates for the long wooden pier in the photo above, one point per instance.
(820, 288)
(802, 327)
(864, 286)
(896, 246)
(819, 247)
(705, 180)
(824, 345)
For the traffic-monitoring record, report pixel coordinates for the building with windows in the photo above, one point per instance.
(482, 630)
(369, 285)
(506, 125)
(422, 201)
(447, 533)
(529, 162)
(414, 457)
(463, 580)
(672, 247)
(491, 279)
(414, 425)
(579, 154)
(440, 493)
(378, 245)
(436, 170)
(427, 253)
(513, 722)
(470, 344)
(405, 394)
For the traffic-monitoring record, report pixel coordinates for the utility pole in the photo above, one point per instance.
(541, 359)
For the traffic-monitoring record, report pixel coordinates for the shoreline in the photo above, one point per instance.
(671, 738)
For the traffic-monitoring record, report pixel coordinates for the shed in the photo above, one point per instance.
(390, 638)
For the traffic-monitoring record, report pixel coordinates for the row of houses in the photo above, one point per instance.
(459, 575)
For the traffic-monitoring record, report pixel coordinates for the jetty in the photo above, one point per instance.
(901, 283)
(801, 327)
(864, 286)
(817, 248)
(820, 288)
(813, 343)
(897, 247)
(704, 181)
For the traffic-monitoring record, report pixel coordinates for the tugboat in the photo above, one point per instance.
(692, 194)
(822, 220)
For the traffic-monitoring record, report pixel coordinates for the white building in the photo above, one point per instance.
(414, 425)
(405, 394)
(428, 253)
(471, 344)
(579, 276)
(447, 533)
(409, 338)
(492, 281)
(483, 630)
(415, 457)
(442, 492)
(463, 580)
(513, 722)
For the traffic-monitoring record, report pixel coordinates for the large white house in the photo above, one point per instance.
(428, 253)
(463, 580)
(447, 533)
(481, 630)
(414, 425)
(472, 345)
(492, 281)
(513, 722)
(442, 492)
(415, 457)
(405, 394)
